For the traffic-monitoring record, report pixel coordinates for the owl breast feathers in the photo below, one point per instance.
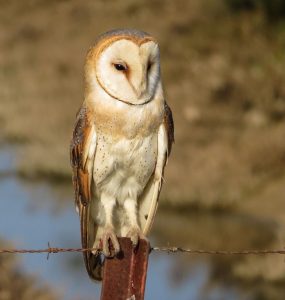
(121, 141)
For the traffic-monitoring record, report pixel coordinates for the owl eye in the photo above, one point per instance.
(149, 66)
(120, 67)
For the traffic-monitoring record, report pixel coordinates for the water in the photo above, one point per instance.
(31, 216)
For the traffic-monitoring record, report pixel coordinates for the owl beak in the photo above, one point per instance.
(142, 87)
(141, 90)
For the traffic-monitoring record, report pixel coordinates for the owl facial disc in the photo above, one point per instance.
(129, 72)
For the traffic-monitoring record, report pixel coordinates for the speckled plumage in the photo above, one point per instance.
(121, 141)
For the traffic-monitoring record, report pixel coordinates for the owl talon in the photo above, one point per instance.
(135, 234)
(110, 244)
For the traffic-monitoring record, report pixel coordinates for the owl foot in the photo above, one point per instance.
(135, 234)
(110, 244)
(107, 243)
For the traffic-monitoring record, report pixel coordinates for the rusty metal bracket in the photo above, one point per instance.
(124, 276)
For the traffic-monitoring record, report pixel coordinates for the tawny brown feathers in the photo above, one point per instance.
(77, 156)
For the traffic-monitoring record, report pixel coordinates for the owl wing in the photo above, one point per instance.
(82, 153)
(149, 199)
(83, 139)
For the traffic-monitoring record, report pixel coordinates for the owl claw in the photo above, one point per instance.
(135, 234)
(110, 244)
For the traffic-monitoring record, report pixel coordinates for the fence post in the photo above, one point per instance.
(124, 277)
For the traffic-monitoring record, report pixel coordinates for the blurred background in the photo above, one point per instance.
(223, 65)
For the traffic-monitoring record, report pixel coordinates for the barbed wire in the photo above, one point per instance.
(217, 252)
(54, 250)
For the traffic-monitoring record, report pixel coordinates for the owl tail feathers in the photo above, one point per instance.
(93, 261)
(94, 265)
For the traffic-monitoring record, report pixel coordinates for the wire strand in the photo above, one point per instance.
(53, 250)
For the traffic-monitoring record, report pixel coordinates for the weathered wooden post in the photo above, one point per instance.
(124, 277)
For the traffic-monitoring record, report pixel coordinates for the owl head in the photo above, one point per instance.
(125, 65)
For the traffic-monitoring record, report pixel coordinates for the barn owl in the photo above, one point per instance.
(121, 142)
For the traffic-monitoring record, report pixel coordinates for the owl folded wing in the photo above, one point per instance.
(149, 199)
(82, 150)
(169, 127)
(82, 153)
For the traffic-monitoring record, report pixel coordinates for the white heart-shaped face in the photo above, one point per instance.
(129, 72)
